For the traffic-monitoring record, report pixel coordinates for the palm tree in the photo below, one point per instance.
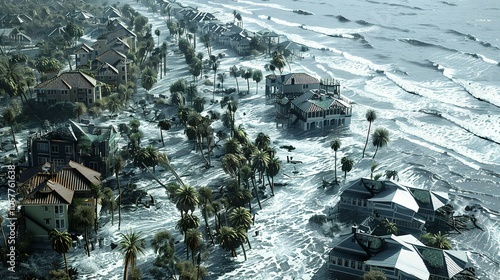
(437, 240)
(187, 221)
(109, 201)
(9, 116)
(193, 241)
(260, 161)
(148, 79)
(247, 74)
(61, 243)
(80, 109)
(131, 245)
(262, 141)
(240, 218)
(335, 145)
(164, 124)
(380, 138)
(257, 77)
(273, 168)
(389, 226)
(278, 61)
(163, 245)
(205, 197)
(228, 239)
(242, 238)
(235, 72)
(370, 116)
(214, 66)
(347, 164)
(372, 169)
(85, 215)
(186, 199)
(118, 166)
(221, 77)
(391, 174)
(157, 33)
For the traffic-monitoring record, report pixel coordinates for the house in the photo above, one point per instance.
(47, 192)
(408, 207)
(81, 16)
(399, 257)
(90, 145)
(84, 54)
(111, 13)
(14, 20)
(71, 86)
(111, 67)
(290, 85)
(13, 36)
(117, 29)
(319, 109)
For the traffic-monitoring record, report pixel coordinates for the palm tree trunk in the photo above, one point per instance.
(209, 230)
(376, 150)
(192, 256)
(161, 134)
(244, 252)
(87, 239)
(270, 184)
(112, 214)
(14, 139)
(66, 263)
(367, 137)
(125, 272)
(335, 167)
(119, 200)
(256, 192)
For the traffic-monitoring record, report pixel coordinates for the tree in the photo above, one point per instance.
(164, 246)
(186, 199)
(228, 239)
(370, 116)
(273, 168)
(118, 166)
(164, 124)
(374, 275)
(131, 245)
(372, 169)
(109, 202)
(437, 240)
(61, 243)
(235, 72)
(391, 174)
(187, 221)
(157, 33)
(278, 61)
(9, 116)
(221, 77)
(80, 109)
(347, 164)
(247, 74)
(257, 77)
(193, 241)
(85, 215)
(214, 61)
(389, 226)
(335, 145)
(149, 78)
(240, 219)
(205, 198)
(380, 138)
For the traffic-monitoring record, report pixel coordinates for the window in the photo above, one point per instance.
(59, 209)
(68, 149)
(42, 160)
(60, 223)
(93, 165)
(54, 149)
(59, 162)
(47, 221)
(46, 208)
(42, 147)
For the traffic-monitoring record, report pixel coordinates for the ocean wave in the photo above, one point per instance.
(363, 22)
(483, 58)
(394, 5)
(419, 43)
(448, 3)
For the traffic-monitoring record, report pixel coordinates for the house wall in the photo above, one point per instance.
(48, 216)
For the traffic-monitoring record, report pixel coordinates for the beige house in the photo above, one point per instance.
(72, 86)
(47, 192)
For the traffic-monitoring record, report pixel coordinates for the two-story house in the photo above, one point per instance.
(398, 257)
(93, 146)
(47, 191)
(71, 86)
(410, 208)
(319, 109)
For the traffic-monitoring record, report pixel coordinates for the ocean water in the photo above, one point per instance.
(429, 69)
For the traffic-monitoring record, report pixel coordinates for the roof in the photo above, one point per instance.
(46, 186)
(298, 79)
(398, 195)
(69, 80)
(313, 101)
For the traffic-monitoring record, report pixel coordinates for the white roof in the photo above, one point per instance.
(398, 195)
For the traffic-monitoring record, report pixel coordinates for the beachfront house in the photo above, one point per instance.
(46, 193)
(319, 109)
(408, 207)
(398, 257)
(93, 146)
(12, 36)
(71, 86)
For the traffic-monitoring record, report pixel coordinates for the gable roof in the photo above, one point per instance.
(69, 80)
(298, 79)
